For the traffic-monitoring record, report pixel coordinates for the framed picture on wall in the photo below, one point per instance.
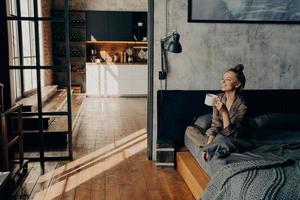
(244, 11)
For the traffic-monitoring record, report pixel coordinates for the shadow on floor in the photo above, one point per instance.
(79, 171)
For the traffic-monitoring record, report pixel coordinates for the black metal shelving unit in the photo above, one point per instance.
(66, 68)
(77, 37)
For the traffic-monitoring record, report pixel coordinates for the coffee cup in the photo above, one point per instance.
(210, 99)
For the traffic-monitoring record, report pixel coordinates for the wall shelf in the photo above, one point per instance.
(118, 42)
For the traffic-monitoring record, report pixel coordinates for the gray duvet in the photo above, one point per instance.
(257, 179)
(271, 170)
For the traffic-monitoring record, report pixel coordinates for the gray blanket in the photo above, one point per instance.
(224, 145)
(257, 179)
(273, 174)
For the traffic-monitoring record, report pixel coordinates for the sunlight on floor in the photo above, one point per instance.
(79, 171)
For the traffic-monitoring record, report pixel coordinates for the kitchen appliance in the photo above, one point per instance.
(93, 55)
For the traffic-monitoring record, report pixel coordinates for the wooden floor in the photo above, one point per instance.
(110, 159)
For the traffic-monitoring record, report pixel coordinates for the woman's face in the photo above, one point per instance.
(229, 82)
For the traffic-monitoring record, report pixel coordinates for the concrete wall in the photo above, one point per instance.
(107, 5)
(269, 52)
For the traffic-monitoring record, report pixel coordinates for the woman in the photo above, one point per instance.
(229, 110)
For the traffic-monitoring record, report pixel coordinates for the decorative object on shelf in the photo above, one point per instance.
(124, 57)
(134, 37)
(130, 59)
(174, 47)
(243, 11)
(115, 58)
(142, 54)
(146, 56)
(129, 51)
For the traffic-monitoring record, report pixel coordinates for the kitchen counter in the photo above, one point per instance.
(114, 79)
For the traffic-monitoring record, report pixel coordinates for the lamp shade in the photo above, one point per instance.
(175, 46)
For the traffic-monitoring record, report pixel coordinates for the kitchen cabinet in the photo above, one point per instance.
(97, 26)
(116, 79)
(115, 25)
(109, 26)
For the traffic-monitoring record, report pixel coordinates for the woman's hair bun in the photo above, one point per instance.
(239, 67)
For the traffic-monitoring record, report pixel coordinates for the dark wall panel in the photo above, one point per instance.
(176, 109)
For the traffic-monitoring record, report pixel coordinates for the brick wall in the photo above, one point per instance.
(47, 41)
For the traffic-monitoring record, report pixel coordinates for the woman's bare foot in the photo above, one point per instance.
(204, 156)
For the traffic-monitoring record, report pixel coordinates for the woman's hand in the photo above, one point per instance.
(220, 106)
(210, 139)
(204, 156)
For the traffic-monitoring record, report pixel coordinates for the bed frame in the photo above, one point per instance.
(177, 109)
(192, 173)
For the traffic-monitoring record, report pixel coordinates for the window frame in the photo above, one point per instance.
(25, 83)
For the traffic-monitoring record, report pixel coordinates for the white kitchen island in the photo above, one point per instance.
(105, 80)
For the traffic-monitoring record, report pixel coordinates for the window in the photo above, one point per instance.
(22, 47)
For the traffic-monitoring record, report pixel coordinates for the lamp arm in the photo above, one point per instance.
(164, 40)
(162, 49)
(164, 62)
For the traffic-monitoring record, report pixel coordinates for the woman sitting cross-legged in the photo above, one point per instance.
(228, 118)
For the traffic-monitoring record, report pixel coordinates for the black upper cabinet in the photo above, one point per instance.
(120, 26)
(139, 31)
(97, 26)
(115, 26)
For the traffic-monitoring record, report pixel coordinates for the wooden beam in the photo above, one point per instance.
(192, 173)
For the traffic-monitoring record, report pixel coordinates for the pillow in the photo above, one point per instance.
(276, 121)
(265, 136)
(203, 122)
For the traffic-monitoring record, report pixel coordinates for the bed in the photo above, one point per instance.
(279, 158)
(270, 171)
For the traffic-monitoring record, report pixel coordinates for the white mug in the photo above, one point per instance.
(210, 99)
